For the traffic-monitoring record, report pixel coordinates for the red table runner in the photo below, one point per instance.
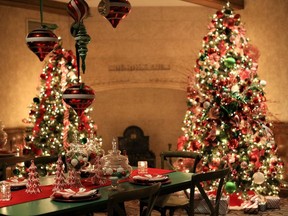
(20, 196)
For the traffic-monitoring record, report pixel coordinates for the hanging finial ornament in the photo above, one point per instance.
(114, 10)
(42, 41)
(78, 10)
(82, 39)
(79, 96)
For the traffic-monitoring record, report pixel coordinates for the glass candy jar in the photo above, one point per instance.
(3, 136)
(115, 166)
(76, 159)
(95, 153)
(94, 150)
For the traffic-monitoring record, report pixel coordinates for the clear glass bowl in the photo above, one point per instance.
(114, 165)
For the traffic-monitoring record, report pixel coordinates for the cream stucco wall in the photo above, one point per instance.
(168, 37)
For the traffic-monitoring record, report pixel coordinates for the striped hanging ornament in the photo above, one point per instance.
(41, 42)
(78, 10)
(114, 10)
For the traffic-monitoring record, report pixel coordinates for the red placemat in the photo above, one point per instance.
(21, 196)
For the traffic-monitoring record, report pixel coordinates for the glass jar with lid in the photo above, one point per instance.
(115, 166)
(76, 159)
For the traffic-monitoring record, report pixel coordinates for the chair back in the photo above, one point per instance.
(168, 157)
(116, 200)
(197, 181)
(12, 161)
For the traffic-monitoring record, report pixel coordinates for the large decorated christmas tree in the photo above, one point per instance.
(54, 125)
(226, 119)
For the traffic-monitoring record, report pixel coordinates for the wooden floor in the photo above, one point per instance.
(132, 209)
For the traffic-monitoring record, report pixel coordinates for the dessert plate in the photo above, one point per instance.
(16, 183)
(75, 195)
(150, 178)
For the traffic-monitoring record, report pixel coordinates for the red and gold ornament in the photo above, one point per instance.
(41, 42)
(114, 10)
(79, 97)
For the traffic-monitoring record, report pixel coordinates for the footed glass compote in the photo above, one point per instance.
(76, 159)
(114, 166)
(95, 153)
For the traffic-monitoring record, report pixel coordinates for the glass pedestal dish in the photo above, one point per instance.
(114, 166)
(76, 159)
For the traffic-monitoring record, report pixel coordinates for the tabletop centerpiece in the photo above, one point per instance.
(76, 159)
(114, 166)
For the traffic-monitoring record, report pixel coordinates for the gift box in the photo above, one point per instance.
(201, 207)
(251, 208)
(273, 202)
(262, 206)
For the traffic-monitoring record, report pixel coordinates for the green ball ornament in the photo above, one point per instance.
(16, 172)
(36, 100)
(229, 62)
(84, 140)
(230, 187)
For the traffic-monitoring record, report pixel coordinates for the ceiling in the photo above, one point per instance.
(144, 3)
(59, 6)
(168, 3)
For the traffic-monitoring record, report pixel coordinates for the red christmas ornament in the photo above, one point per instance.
(79, 97)
(78, 10)
(41, 42)
(219, 14)
(114, 10)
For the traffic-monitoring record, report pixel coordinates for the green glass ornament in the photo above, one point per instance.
(16, 172)
(36, 100)
(230, 187)
(84, 140)
(229, 62)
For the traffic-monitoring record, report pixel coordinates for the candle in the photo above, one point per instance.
(5, 191)
(142, 167)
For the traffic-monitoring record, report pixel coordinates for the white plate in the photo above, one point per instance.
(74, 194)
(150, 178)
(16, 182)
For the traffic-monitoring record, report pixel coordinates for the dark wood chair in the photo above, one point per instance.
(172, 202)
(135, 145)
(168, 159)
(39, 161)
(197, 181)
(116, 200)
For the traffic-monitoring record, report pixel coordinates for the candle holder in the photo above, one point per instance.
(142, 168)
(5, 191)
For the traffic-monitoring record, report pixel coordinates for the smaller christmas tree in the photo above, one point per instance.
(33, 184)
(60, 179)
(52, 124)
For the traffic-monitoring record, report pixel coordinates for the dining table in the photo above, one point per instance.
(45, 205)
